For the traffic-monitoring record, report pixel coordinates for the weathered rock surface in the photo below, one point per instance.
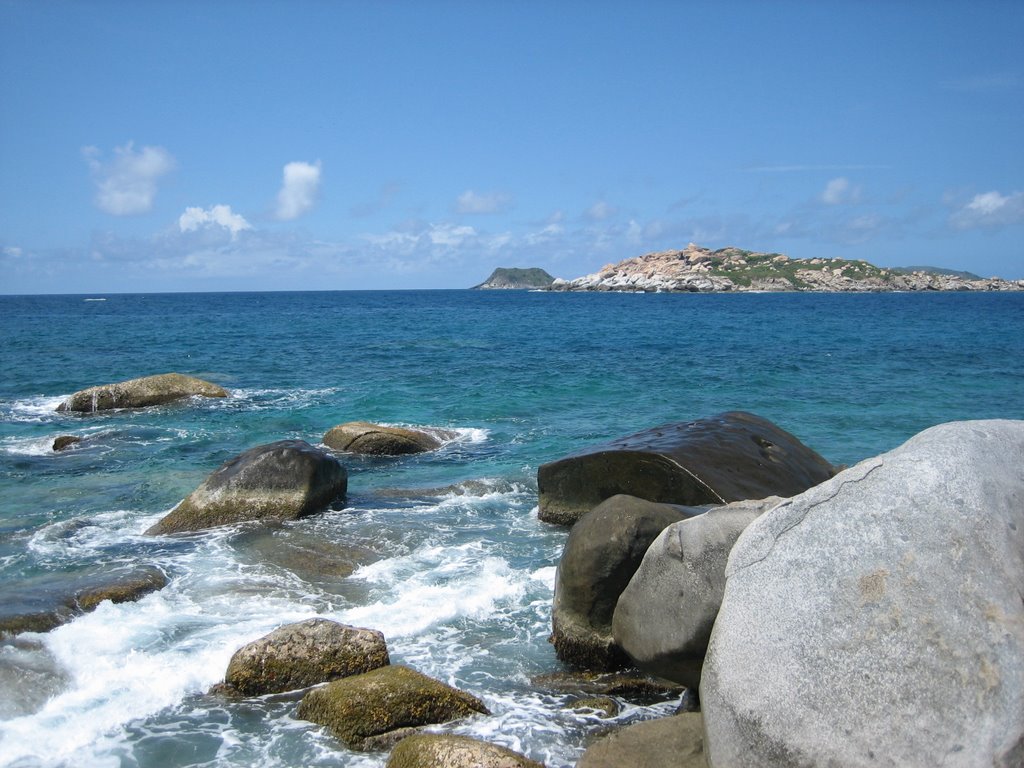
(139, 393)
(64, 442)
(877, 620)
(602, 553)
(303, 654)
(362, 708)
(126, 588)
(445, 750)
(664, 616)
(379, 440)
(516, 278)
(717, 460)
(285, 480)
(695, 269)
(669, 742)
(602, 706)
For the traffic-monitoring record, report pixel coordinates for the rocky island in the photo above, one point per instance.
(695, 269)
(510, 278)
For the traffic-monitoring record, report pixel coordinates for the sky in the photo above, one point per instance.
(305, 145)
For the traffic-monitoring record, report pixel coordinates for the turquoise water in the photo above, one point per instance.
(450, 561)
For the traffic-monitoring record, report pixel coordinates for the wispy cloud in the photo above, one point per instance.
(600, 211)
(195, 218)
(470, 202)
(299, 188)
(989, 210)
(127, 184)
(839, 191)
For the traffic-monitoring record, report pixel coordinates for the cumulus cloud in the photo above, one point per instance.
(600, 211)
(195, 218)
(840, 190)
(127, 183)
(299, 189)
(482, 202)
(990, 209)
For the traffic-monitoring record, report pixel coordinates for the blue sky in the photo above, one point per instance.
(192, 146)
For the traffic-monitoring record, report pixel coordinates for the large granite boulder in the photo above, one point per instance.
(376, 708)
(602, 553)
(668, 742)
(877, 619)
(285, 480)
(728, 457)
(664, 616)
(139, 393)
(303, 654)
(379, 440)
(446, 750)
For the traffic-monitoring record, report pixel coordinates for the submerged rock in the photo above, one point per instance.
(303, 654)
(602, 553)
(285, 480)
(877, 619)
(364, 710)
(379, 440)
(64, 442)
(717, 460)
(139, 393)
(128, 588)
(669, 742)
(664, 616)
(437, 750)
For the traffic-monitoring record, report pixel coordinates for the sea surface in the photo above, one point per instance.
(442, 552)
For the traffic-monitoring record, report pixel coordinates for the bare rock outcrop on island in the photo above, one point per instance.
(716, 460)
(285, 480)
(140, 393)
(701, 270)
(877, 620)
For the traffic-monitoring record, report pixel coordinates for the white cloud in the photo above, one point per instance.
(482, 202)
(126, 185)
(600, 211)
(990, 209)
(12, 251)
(839, 190)
(299, 189)
(195, 218)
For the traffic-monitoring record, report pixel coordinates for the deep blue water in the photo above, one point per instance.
(456, 570)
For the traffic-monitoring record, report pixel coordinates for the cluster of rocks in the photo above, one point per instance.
(701, 270)
(829, 625)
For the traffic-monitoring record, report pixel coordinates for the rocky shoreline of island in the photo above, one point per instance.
(696, 269)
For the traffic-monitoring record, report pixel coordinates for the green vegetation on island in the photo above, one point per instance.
(517, 278)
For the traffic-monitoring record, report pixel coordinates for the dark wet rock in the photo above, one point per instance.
(728, 457)
(128, 588)
(64, 442)
(877, 619)
(663, 618)
(285, 480)
(629, 685)
(669, 742)
(139, 393)
(445, 750)
(303, 654)
(362, 708)
(35, 621)
(378, 440)
(602, 553)
(604, 706)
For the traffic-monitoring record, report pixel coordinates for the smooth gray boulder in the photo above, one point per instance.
(303, 654)
(877, 619)
(447, 750)
(379, 440)
(668, 742)
(717, 460)
(603, 551)
(139, 393)
(285, 480)
(664, 616)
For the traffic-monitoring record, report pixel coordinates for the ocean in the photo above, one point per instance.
(442, 552)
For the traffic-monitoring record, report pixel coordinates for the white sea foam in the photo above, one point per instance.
(27, 446)
(38, 409)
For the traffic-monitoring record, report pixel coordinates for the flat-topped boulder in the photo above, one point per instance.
(381, 440)
(374, 709)
(139, 393)
(303, 654)
(877, 620)
(431, 750)
(716, 460)
(285, 480)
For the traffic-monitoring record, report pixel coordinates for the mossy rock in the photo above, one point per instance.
(445, 750)
(361, 708)
(379, 440)
(604, 706)
(285, 480)
(140, 393)
(126, 589)
(303, 654)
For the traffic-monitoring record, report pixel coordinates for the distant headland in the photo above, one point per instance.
(516, 278)
(701, 270)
